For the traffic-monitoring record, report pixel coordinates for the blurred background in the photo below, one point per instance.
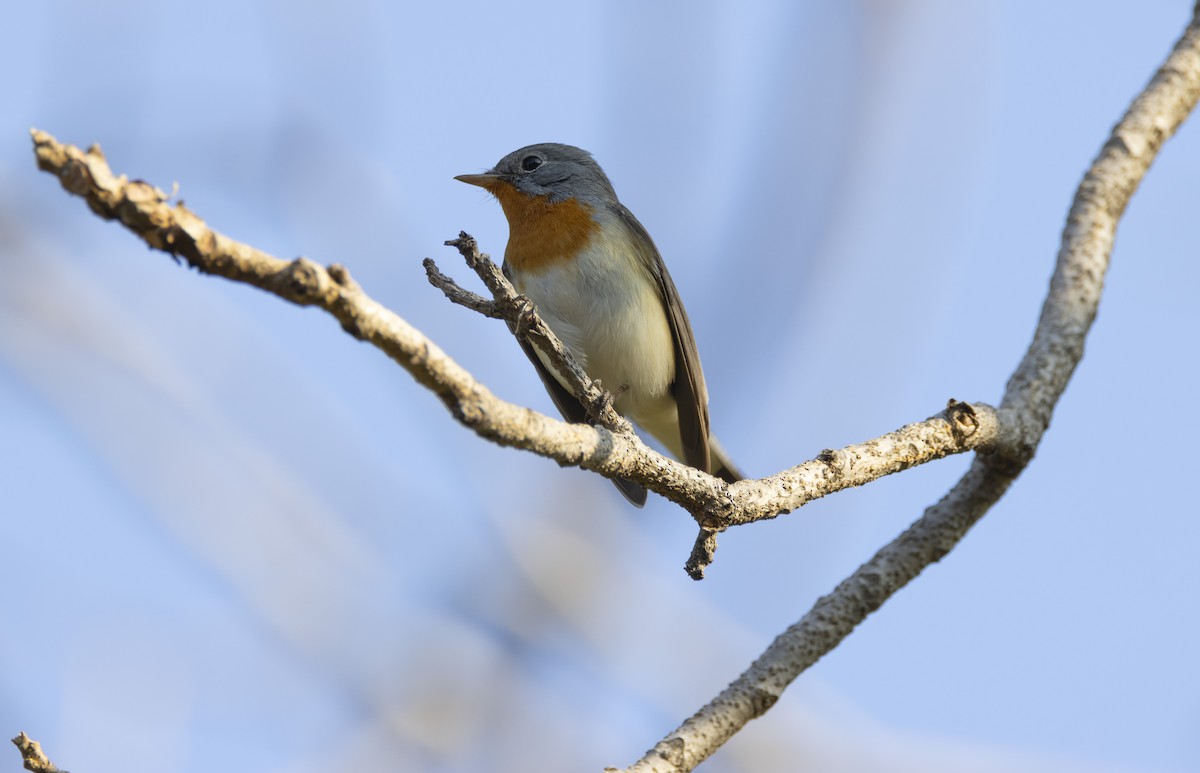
(234, 533)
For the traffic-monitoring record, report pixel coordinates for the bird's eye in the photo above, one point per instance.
(529, 163)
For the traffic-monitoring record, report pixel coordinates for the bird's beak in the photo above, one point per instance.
(486, 180)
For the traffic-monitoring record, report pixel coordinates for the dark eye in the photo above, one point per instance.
(529, 163)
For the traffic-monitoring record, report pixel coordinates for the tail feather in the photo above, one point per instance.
(721, 466)
(634, 492)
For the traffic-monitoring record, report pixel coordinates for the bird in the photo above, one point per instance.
(598, 281)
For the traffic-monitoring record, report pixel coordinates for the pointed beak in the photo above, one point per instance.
(486, 180)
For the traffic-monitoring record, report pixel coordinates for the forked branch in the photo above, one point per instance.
(611, 448)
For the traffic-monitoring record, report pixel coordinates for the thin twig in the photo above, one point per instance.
(458, 295)
(526, 323)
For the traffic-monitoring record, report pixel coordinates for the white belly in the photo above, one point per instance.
(616, 327)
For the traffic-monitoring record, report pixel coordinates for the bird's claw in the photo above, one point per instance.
(526, 315)
(605, 399)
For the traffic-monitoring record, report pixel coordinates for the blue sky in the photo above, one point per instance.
(236, 532)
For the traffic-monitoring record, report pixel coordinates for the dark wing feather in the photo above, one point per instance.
(691, 396)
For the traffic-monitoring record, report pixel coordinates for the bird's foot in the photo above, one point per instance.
(605, 399)
(526, 315)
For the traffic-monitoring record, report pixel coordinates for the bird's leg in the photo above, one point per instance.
(604, 399)
(526, 315)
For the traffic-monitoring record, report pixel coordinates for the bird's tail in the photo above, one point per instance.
(721, 466)
(634, 492)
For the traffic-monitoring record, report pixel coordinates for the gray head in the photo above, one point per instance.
(549, 169)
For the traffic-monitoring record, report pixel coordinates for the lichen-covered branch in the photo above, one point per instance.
(610, 448)
(961, 426)
(1025, 413)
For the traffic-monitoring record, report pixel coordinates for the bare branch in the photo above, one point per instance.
(961, 427)
(33, 757)
(174, 229)
(703, 553)
(611, 448)
(1029, 401)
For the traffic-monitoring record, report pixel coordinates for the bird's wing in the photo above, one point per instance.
(691, 396)
(572, 410)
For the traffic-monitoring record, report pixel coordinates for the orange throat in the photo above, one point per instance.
(542, 233)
